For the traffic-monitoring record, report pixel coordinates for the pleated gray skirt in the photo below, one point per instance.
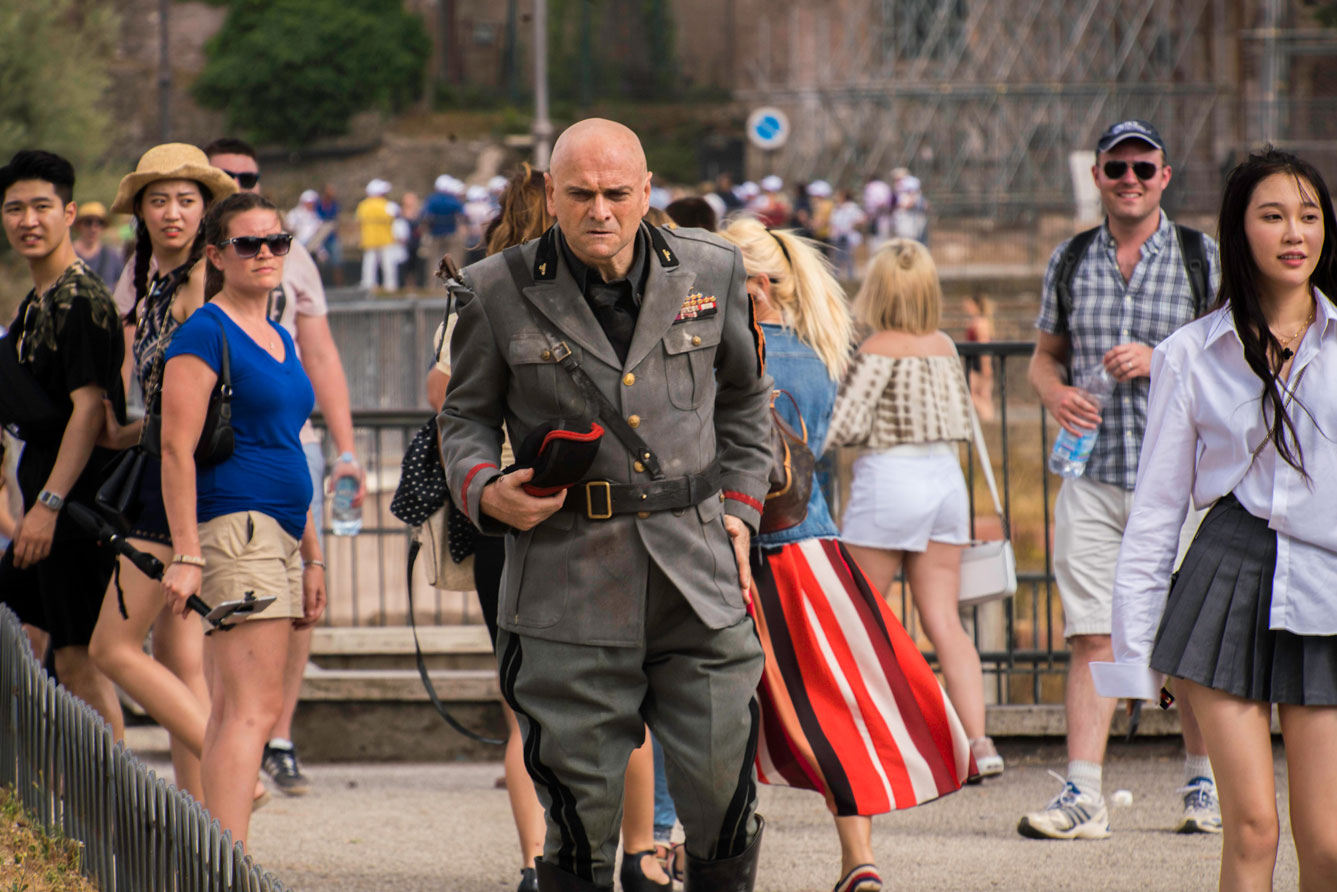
(1215, 627)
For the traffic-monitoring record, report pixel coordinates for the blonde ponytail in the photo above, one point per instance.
(809, 298)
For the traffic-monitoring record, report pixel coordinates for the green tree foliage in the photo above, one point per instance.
(291, 71)
(53, 68)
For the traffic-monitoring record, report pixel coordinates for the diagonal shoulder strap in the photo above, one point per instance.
(1194, 253)
(982, 449)
(561, 353)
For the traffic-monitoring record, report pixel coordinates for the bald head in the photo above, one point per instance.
(598, 188)
(597, 141)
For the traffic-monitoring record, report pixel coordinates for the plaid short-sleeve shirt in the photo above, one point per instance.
(1106, 312)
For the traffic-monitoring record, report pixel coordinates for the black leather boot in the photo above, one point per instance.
(736, 874)
(553, 879)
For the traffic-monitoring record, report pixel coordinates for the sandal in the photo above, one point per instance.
(675, 860)
(987, 760)
(632, 876)
(863, 878)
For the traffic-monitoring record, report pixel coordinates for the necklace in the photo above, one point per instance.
(1286, 351)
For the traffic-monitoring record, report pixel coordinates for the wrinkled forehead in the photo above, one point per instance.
(595, 162)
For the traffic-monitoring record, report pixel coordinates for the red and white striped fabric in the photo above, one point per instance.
(849, 706)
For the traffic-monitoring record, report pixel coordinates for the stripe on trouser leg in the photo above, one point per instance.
(574, 856)
(733, 830)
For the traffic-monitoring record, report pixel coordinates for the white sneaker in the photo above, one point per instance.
(1202, 811)
(1071, 815)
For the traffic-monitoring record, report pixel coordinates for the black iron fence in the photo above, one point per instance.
(136, 832)
(1020, 639)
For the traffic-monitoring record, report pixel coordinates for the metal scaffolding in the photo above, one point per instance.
(984, 100)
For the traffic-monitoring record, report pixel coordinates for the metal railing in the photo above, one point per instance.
(1020, 639)
(137, 833)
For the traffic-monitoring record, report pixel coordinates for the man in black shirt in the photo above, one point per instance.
(67, 337)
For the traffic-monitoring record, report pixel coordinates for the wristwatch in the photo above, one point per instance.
(50, 499)
(347, 458)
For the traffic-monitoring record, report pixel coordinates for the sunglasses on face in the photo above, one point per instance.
(1144, 170)
(244, 180)
(249, 245)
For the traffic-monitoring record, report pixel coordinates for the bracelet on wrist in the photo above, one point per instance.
(347, 458)
(320, 564)
(189, 559)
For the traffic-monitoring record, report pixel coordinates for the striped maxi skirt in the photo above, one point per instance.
(849, 706)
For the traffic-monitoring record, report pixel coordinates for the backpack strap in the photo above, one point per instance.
(1193, 250)
(1067, 271)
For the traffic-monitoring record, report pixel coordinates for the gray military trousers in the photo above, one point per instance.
(583, 709)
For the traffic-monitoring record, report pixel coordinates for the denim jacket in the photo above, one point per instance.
(797, 369)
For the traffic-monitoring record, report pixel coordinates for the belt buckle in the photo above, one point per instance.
(561, 352)
(593, 486)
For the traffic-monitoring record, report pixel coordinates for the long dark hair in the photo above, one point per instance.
(1239, 281)
(144, 251)
(215, 226)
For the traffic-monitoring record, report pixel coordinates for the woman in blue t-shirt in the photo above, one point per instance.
(242, 526)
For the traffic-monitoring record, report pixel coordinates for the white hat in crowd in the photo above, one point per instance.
(442, 183)
(772, 183)
(476, 193)
(748, 190)
(497, 184)
(819, 189)
(909, 184)
(310, 196)
(377, 187)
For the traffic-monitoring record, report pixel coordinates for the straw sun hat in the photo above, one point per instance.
(171, 161)
(92, 210)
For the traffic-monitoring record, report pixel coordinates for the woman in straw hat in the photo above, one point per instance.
(89, 227)
(168, 194)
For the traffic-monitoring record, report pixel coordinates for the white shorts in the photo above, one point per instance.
(906, 497)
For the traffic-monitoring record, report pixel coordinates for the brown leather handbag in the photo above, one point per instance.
(791, 472)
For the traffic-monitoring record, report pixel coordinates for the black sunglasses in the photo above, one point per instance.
(1144, 170)
(244, 180)
(249, 245)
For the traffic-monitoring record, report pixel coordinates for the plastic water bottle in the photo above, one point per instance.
(345, 517)
(1072, 452)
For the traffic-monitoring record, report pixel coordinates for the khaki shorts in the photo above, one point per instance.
(249, 553)
(1089, 520)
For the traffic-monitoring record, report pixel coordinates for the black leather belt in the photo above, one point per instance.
(601, 499)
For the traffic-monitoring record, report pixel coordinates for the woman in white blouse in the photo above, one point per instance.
(905, 400)
(1243, 416)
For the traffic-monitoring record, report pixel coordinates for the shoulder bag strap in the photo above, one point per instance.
(608, 413)
(415, 544)
(1194, 254)
(982, 450)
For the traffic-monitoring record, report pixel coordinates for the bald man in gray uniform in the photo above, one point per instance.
(623, 597)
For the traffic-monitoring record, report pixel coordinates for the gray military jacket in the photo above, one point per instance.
(694, 387)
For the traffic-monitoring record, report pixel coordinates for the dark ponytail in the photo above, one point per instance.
(143, 254)
(1239, 283)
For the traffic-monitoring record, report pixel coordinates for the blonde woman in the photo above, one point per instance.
(905, 399)
(807, 588)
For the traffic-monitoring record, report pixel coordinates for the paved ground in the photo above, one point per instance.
(447, 828)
